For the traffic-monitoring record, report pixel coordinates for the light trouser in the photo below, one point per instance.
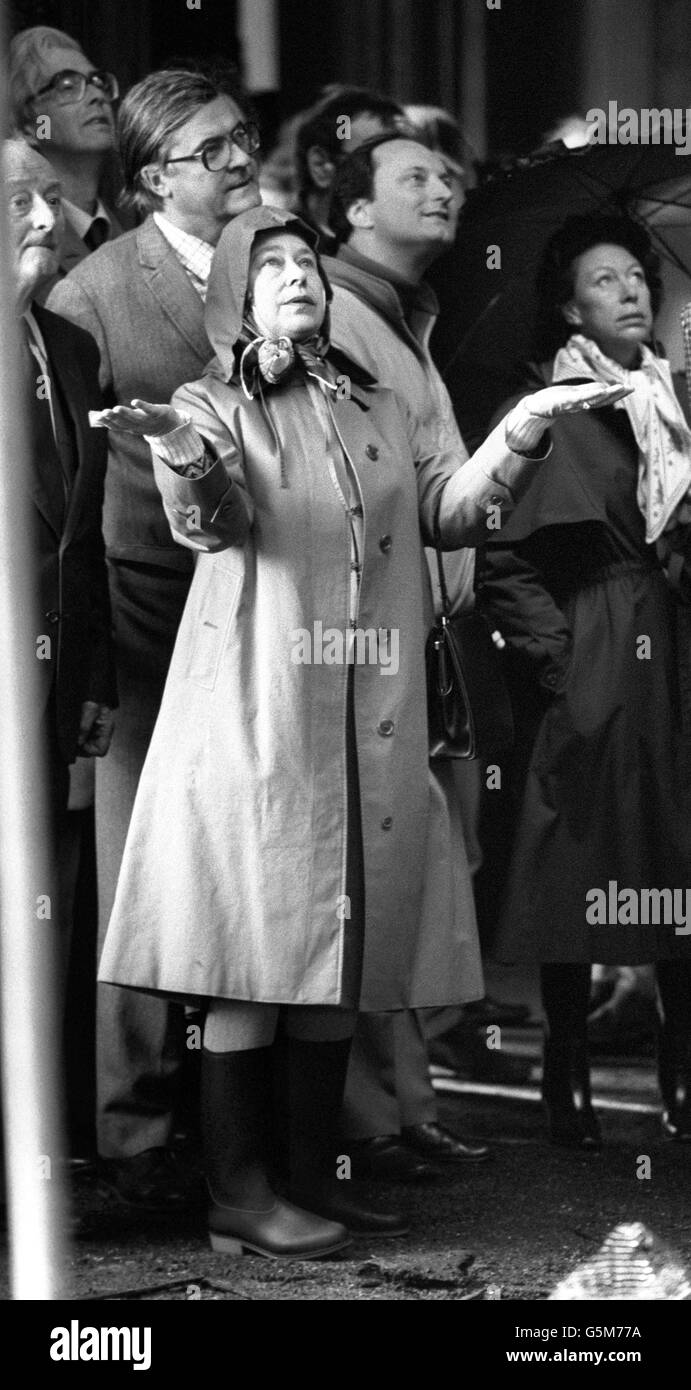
(388, 1086)
(388, 1083)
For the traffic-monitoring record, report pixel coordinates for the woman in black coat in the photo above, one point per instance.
(600, 781)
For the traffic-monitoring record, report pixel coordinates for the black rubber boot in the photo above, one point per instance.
(316, 1076)
(245, 1213)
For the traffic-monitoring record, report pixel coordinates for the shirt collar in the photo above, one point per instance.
(36, 339)
(34, 329)
(194, 255)
(81, 220)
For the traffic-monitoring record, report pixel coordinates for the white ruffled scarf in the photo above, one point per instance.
(659, 427)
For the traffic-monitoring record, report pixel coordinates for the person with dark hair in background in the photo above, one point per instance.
(63, 106)
(189, 162)
(343, 119)
(600, 779)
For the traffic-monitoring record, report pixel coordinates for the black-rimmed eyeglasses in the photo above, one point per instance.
(215, 154)
(69, 87)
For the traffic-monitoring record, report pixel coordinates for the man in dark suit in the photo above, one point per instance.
(64, 108)
(60, 382)
(188, 160)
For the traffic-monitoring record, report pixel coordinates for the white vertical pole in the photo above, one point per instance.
(473, 79)
(258, 34)
(30, 1051)
(617, 53)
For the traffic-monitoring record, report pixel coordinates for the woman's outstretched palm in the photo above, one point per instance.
(139, 417)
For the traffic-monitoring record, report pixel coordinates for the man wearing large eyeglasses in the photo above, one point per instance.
(189, 158)
(64, 107)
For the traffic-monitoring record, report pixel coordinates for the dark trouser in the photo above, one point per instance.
(57, 779)
(674, 1043)
(140, 1040)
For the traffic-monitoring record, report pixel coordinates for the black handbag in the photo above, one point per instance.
(468, 705)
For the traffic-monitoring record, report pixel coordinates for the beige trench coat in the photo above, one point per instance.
(233, 876)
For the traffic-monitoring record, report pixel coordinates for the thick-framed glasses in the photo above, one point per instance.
(215, 154)
(69, 87)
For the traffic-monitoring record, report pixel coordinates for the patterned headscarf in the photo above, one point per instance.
(244, 354)
(230, 326)
(660, 430)
(270, 360)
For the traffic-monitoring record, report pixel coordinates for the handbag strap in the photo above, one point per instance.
(445, 604)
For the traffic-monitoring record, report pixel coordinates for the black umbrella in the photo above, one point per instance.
(486, 283)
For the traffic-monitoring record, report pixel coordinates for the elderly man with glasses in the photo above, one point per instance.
(188, 156)
(63, 106)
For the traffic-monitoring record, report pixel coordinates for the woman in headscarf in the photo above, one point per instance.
(286, 785)
(576, 584)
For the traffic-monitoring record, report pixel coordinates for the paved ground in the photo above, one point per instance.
(510, 1229)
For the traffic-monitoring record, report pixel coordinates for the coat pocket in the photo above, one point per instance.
(209, 631)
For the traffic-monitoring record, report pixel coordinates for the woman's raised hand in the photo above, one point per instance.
(139, 417)
(571, 396)
(528, 420)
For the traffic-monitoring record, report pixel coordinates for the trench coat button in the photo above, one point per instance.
(386, 728)
(372, 451)
(387, 823)
(52, 616)
(385, 543)
(551, 679)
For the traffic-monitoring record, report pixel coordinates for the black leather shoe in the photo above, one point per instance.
(358, 1219)
(565, 1069)
(386, 1159)
(439, 1145)
(149, 1182)
(572, 1128)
